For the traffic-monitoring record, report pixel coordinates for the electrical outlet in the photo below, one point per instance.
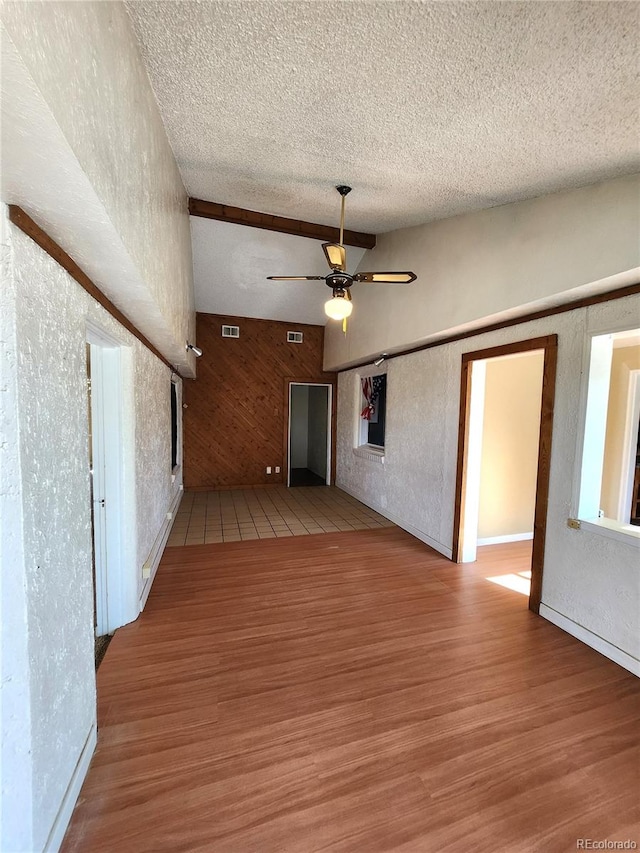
(573, 523)
(277, 469)
(268, 469)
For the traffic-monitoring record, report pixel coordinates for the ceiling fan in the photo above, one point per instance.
(339, 307)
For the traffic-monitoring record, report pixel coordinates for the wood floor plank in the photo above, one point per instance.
(354, 692)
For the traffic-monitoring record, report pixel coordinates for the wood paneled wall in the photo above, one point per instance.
(234, 423)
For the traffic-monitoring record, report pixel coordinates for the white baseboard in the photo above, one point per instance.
(153, 560)
(56, 836)
(509, 537)
(419, 534)
(590, 639)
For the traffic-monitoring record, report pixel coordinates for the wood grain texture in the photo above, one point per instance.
(544, 471)
(26, 224)
(269, 222)
(235, 416)
(353, 692)
(461, 461)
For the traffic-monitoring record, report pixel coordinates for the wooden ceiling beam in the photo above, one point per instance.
(240, 216)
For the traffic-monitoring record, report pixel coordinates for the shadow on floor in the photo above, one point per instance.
(305, 477)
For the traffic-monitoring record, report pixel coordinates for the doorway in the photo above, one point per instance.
(309, 434)
(105, 465)
(471, 516)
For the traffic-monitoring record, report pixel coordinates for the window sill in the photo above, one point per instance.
(370, 452)
(612, 529)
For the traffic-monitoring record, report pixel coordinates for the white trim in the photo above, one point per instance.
(361, 433)
(289, 437)
(590, 639)
(152, 562)
(98, 488)
(63, 818)
(473, 463)
(419, 534)
(509, 537)
(598, 381)
(629, 445)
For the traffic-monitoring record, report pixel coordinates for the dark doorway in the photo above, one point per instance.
(309, 434)
(305, 477)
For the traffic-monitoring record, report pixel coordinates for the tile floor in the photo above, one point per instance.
(232, 516)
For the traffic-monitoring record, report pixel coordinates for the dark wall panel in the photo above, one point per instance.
(234, 423)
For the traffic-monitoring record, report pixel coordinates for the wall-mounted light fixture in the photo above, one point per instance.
(194, 349)
(379, 360)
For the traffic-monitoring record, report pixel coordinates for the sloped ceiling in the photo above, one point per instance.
(428, 109)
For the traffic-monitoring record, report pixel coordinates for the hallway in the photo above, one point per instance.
(353, 691)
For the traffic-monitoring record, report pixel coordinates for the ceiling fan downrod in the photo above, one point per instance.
(344, 191)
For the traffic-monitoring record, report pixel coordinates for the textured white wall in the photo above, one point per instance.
(86, 154)
(589, 578)
(16, 832)
(51, 431)
(489, 265)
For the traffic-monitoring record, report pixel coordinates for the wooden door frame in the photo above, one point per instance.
(549, 344)
(315, 380)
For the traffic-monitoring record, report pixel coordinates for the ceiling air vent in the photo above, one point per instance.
(231, 331)
(294, 337)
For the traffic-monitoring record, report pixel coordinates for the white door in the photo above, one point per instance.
(107, 493)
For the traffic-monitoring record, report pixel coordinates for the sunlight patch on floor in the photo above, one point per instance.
(520, 582)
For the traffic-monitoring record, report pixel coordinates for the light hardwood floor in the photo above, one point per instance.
(354, 692)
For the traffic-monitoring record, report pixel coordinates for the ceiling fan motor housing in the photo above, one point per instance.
(339, 280)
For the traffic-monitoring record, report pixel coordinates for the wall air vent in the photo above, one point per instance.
(294, 337)
(231, 331)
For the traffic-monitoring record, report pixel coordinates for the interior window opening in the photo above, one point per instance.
(610, 475)
(373, 410)
(174, 426)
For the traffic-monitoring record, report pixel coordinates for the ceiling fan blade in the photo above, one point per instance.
(295, 277)
(336, 256)
(386, 277)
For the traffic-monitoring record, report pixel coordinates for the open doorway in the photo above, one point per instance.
(309, 434)
(503, 455)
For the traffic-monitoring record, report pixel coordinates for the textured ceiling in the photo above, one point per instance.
(427, 109)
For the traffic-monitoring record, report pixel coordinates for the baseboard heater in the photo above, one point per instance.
(150, 565)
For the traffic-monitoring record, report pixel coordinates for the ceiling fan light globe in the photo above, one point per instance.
(338, 308)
